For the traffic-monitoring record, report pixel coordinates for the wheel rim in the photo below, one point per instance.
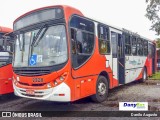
(101, 88)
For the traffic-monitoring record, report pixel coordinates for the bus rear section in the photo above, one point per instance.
(65, 56)
(152, 56)
(6, 51)
(158, 59)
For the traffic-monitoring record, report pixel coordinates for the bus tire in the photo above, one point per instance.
(101, 90)
(144, 75)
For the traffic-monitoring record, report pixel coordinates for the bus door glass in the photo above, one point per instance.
(114, 42)
(121, 60)
(118, 59)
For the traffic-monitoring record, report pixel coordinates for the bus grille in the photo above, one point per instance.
(31, 72)
(32, 95)
(35, 85)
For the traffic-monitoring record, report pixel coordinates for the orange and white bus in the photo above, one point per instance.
(6, 50)
(61, 55)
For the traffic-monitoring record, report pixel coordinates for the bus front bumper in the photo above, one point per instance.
(60, 93)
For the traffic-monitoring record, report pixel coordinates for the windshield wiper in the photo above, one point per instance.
(40, 38)
(35, 38)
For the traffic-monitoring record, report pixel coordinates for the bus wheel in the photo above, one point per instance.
(144, 75)
(101, 90)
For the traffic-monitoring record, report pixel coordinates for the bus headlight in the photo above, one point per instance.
(15, 81)
(60, 79)
(18, 78)
(55, 82)
(49, 85)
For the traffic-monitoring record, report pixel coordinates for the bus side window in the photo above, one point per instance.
(103, 38)
(139, 47)
(82, 39)
(73, 40)
(127, 44)
(145, 49)
(134, 45)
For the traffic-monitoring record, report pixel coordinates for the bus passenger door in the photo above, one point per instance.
(121, 60)
(114, 42)
(118, 57)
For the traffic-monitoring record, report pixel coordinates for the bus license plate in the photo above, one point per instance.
(30, 92)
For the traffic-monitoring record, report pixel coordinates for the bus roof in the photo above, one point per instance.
(118, 28)
(62, 6)
(5, 29)
(76, 10)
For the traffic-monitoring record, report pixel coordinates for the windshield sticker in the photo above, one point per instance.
(39, 58)
(33, 60)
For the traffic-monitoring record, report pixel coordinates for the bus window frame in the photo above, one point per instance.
(139, 46)
(126, 54)
(134, 38)
(145, 48)
(106, 40)
(69, 30)
(7, 40)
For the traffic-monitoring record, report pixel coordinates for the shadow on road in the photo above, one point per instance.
(8, 97)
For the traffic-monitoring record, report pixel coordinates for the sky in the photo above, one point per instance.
(128, 14)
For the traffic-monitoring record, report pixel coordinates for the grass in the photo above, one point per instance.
(156, 76)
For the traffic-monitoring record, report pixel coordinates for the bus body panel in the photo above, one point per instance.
(134, 67)
(6, 72)
(6, 79)
(5, 29)
(59, 93)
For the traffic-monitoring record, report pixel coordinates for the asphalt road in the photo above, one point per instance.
(135, 92)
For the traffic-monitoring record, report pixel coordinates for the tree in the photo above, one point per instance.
(158, 43)
(153, 14)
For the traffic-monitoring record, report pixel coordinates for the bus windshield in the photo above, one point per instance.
(38, 48)
(6, 48)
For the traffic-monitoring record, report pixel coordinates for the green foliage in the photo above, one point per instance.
(153, 9)
(158, 43)
(156, 76)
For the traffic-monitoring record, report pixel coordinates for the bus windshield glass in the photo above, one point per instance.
(46, 46)
(6, 49)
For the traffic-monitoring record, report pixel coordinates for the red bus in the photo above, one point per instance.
(6, 51)
(61, 55)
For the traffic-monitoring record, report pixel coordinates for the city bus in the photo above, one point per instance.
(61, 55)
(6, 51)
